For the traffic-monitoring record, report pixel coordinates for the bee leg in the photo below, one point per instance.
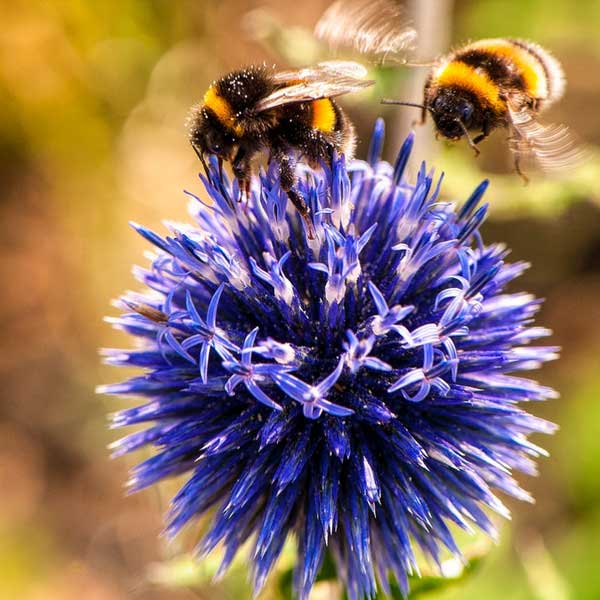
(485, 132)
(247, 190)
(287, 178)
(469, 138)
(518, 169)
(516, 142)
(302, 208)
(242, 171)
(472, 145)
(243, 187)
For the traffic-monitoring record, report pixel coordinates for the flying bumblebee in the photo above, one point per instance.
(483, 85)
(290, 113)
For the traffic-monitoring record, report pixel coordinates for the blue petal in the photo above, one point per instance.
(380, 303)
(211, 315)
(261, 396)
(331, 379)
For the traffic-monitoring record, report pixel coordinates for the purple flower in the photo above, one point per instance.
(354, 389)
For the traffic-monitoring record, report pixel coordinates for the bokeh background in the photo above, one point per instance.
(93, 99)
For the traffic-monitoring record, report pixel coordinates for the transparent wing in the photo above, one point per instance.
(325, 80)
(340, 68)
(551, 146)
(377, 28)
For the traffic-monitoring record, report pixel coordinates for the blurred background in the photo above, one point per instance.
(93, 98)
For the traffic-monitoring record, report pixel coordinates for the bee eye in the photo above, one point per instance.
(466, 112)
(438, 104)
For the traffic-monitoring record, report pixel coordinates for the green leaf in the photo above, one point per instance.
(456, 573)
(419, 586)
(285, 582)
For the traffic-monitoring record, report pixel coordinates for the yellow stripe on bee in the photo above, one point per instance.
(222, 110)
(527, 64)
(323, 115)
(466, 77)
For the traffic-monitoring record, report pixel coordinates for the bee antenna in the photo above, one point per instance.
(400, 103)
(200, 155)
(209, 177)
(468, 136)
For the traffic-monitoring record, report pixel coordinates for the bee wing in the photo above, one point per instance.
(552, 146)
(329, 68)
(374, 27)
(325, 80)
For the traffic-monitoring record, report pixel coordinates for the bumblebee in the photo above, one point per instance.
(292, 113)
(483, 85)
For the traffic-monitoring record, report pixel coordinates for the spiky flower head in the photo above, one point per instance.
(352, 389)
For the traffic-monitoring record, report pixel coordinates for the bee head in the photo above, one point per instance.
(453, 113)
(209, 136)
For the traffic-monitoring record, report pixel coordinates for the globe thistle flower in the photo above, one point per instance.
(354, 389)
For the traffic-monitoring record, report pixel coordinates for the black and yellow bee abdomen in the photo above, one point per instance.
(318, 115)
(330, 122)
(553, 74)
(316, 128)
(323, 115)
